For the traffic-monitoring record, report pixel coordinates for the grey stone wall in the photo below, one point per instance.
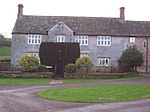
(20, 47)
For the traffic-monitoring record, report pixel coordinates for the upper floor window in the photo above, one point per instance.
(34, 39)
(60, 38)
(104, 61)
(81, 39)
(132, 39)
(103, 41)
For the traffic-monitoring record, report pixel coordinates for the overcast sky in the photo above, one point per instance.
(138, 10)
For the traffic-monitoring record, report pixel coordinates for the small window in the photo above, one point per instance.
(34, 39)
(84, 54)
(103, 41)
(34, 54)
(60, 38)
(132, 39)
(81, 39)
(104, 61)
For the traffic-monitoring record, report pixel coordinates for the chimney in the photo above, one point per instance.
(122, 16)
(20, 10)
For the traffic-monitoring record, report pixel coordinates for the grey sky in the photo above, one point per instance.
(135, 9)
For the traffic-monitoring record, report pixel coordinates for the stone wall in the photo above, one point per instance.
(25, 75)
(95, 75)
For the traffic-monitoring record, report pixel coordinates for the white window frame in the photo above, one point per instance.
(82, 39)
(33, 54)
(60, 38)
(84, 54)
(34, 39)
(132, 40)
(103, 40)
(104, 61)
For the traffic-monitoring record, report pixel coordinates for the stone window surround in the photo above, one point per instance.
(82, 39)
(33, 54)
(34, 39)
(103, 40)
(60, 38)
(132, 40)
(103, 61)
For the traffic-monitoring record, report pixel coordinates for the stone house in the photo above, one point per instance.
(102, 39)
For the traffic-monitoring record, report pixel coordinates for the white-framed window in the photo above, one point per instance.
(132, 39)
(103, 41)
(84, 54)
(34, 39)
(81, 39)
(34, 54)
(104, 61)
(60, 38)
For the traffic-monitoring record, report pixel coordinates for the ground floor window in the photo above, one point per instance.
(34, 54)
(84, 54)
(104, 61)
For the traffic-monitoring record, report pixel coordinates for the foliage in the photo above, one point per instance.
(130, 59)
(84, 61)
(104, 93)
(29, 63)
(50, 52)
(5, 51)
(70, 68)
(42, 68)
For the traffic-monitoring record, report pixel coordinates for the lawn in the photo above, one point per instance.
(18, 81)
(5, 52)
(105, 93)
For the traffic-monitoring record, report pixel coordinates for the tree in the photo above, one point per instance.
(29, 63)
(50, 52)
(131, 58)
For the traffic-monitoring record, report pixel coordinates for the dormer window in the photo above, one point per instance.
(34, 39)
(60, 38)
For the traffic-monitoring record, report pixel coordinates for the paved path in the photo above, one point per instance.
(21, 98)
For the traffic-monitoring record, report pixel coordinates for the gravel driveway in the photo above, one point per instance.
(21, 98)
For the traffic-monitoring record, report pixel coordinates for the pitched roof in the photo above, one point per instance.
(82, 25)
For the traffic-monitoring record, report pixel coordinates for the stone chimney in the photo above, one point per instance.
(122, 13)
(20, 10)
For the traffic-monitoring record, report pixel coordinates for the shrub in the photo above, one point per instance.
(29, 63)
(85, 62)
(70, 68)
(130, 59)
(42, 68)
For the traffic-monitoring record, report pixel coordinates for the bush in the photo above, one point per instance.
(85, 62)
(29, 63)
(42, 68)
(70, 68)
(130, 59)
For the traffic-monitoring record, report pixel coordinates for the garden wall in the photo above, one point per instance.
(95, 75)
(66, 75)
(25, 75)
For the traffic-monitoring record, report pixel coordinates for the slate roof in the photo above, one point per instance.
(82, 25)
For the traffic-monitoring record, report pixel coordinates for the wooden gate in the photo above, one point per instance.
(59, 69)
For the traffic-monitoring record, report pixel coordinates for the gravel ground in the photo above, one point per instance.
(21, 98)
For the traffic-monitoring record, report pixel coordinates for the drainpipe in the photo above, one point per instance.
(146, 54)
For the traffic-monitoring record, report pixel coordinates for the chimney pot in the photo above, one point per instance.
(122, 13)
(20, 10)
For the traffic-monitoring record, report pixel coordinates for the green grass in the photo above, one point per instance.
(105, 93)
(5, 51)
(18, 81)
(66, 81)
